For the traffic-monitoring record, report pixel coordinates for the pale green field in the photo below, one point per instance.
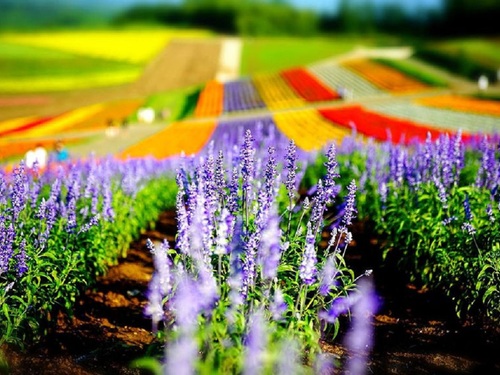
(273, 54)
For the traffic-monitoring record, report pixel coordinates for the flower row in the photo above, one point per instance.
(462, 103)
(307, 86)
(379, 126)
(92, 117)
(287, 89)
(384, 77)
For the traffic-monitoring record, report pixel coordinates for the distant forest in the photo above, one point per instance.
(259, 17)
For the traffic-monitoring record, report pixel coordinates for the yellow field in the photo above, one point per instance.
(136, 46)
(82, 81)
(308, 129)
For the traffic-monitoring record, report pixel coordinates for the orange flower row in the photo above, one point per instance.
(384, 77)
(179, 137)
(461, 103)
(210, 101)
(308, 128)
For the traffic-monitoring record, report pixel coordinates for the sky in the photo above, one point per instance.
(329, 6)
(332, 5)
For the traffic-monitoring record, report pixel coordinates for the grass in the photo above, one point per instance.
(414, 70)
(180, 103)
(483, 51)
(274, 54)
(468, 57)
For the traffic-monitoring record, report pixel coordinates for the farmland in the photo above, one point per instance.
(257, 217)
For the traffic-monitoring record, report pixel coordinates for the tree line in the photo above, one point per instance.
(262, 17)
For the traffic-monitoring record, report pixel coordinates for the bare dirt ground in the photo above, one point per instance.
(415, 332)
(177, 66)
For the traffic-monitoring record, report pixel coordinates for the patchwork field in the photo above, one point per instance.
(320, 196)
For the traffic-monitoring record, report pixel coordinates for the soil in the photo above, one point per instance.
(415, 331)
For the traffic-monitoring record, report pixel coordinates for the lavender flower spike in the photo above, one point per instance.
(291, 167)
(350, 208)
(307, 269)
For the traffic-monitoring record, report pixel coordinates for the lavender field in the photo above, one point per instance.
(257, 278)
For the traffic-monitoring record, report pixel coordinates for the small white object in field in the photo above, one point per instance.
(482, 82)
(146, 115)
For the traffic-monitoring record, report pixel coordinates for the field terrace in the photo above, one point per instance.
(317, 104)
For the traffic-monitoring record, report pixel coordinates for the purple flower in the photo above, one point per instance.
(307, 269)
(350, 208)
(224, 232)
(181, 355)
(489, 212)
(255, 344)
(233, 201)
(278, 306)
(291, 168)
(92, 223)
(327, 276)
(7, 235)
(247, 164)
(359, 340)
(19, 191)
(108, 213)
(182, 239)
(324, 364)
(3, 188)
(270, 248)
(319, 207)
(331, 174)
(441, 192)
(251, 246)
(160, 285)
(21, 258)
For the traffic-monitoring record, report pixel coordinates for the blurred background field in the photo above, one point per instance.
(71, 69)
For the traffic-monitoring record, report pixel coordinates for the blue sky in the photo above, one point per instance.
(332, 5)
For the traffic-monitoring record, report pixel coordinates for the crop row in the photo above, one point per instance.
(62, 227)
(45, 130)
(210, 101)
(384, 77)
(463, 103)
(308, 86)
(257, 270)
(379, 126)
(344, 81)
(177, 138)
(137, 46)
(436, 117)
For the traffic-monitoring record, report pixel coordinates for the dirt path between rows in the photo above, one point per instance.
(415, 332)
(183, 62)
